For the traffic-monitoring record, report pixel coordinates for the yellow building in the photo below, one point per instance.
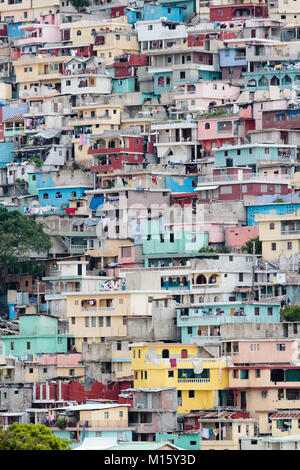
(279, 234)
(92, 121)
(100, 316)
(197, 379)
(39, 71)
(98, 415)
(282, 423)
(44, 7)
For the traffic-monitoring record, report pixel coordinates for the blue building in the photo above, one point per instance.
(186, 185)
(14, 32)
(58, 196)
(288, 204)
(6, 153)
(233, 57)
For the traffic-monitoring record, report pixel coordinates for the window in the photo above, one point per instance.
(78, 32)
(254, 347)
(292, 394)
(12, 346)
(170, 373)
(241, 277)
(189, 330)
(256, 311)
(28, 345)
(45, 196)
(273, 246)
(281, 347)
(226, 190)
(270, 311)
(235, 374)
(165, 353)
(106, 415)
(100, 322)
(45, 370)
(108, 321)
(93, 321)
(73, 320)
(191, 393)
(58, 195)
(257, 373)
(86, 322)
(290, 245)
(272, 226)
(244, 374)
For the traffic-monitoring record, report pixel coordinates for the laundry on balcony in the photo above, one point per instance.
(70, 210)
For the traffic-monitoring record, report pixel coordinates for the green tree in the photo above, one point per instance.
(248, 247)
(20, 236)
(31, 437)
(80, 5)
(291, 313)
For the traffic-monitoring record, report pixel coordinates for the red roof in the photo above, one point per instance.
(18, 117)
(286, 415)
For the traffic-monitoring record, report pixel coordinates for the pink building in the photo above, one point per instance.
(238, 236)
(257, 351)
(198, 96)
(12, 10)
(260, 106)
(215, 132)
(38, 34)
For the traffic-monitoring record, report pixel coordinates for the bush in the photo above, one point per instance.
(290, 313)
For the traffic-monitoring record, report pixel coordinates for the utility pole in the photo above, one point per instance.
(253, 271)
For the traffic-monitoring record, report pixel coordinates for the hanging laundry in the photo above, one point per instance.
(173, 362)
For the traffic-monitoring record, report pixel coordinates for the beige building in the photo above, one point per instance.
(280, 235)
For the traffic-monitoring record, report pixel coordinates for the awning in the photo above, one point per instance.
(49, 134)
(76, 223)
(90, 222)
(206, 188)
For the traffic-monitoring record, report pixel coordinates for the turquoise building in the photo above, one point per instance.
(187, 441)
(201, 324)
(78, 436)
(188, 6)
(38, 335)
(284, 77)
(158, 241)
(249, 155)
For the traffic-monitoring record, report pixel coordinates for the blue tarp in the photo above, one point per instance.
(96, 202)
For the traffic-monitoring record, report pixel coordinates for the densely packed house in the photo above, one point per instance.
(158, 144)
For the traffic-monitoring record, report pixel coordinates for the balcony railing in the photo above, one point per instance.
(288, 232)
(195, 381)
